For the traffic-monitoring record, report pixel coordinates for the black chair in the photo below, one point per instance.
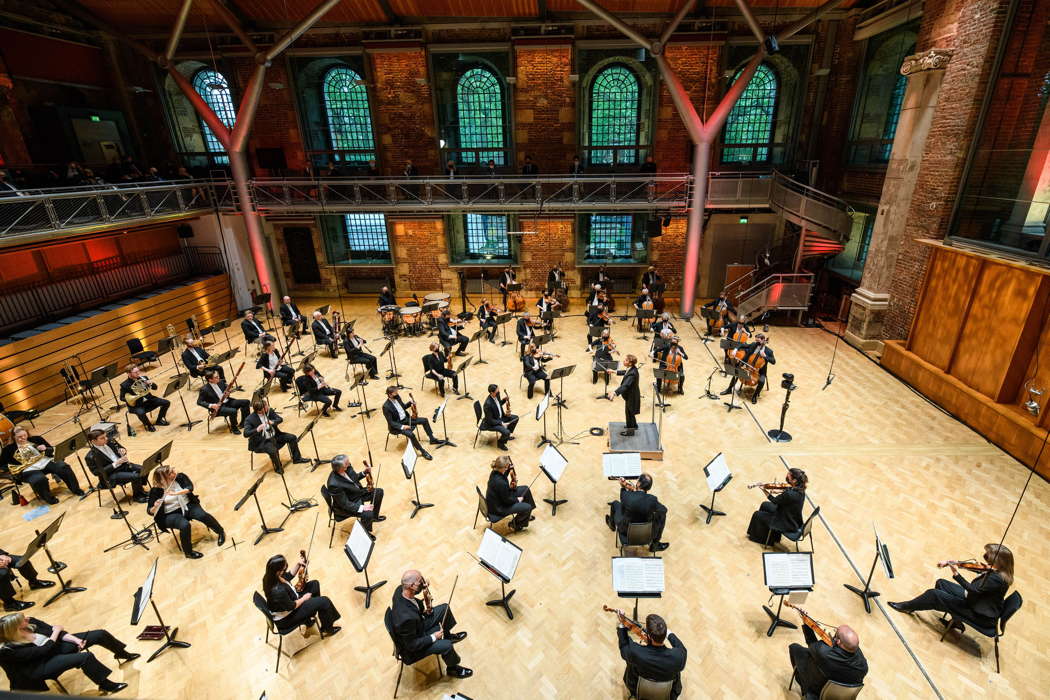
(477, 417)
(637, 535)
(1010, 606)
(483, 509)
(832, 690)
(805, 531)
(654, 690)
(19, 416)
(271, 627)
(389, 623)
(141, 354)
(333, 519)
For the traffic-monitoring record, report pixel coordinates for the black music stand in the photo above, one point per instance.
(462, 369)
(72, 446)
(477, 336)
(145, 594)
(501, 320)
(785, 573)
(541, 414)
(560, 373)
(641, 315)
(408, 465)
(741, 375)
(882, 553)
(106, 374)
(649, 572)
(496, 547)
(549, 317)
(392, 373)
(362, 402)
(661, 376)
(358, 549)
(309, 429)
(140, 537)
(251, 493)
(39, 542)
(440, 412)
(168, 345)
(718, 477)
(175, 385)
(552, 464)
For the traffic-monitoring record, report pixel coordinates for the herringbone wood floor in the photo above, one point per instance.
(874, 450)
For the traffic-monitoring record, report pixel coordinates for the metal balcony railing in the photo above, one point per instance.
(780, 292)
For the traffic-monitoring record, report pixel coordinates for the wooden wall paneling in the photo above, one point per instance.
(1026, 346)
(950, 281)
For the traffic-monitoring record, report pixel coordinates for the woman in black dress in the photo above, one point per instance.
(782, 512)
(291, 608)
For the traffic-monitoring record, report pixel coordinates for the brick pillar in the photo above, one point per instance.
(872, 299)
(544, 106)
(12, 143)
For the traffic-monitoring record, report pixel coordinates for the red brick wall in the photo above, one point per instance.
(553, 243)
(545, 106)
(421, 257)
(275, 123)
(404, 111)
(12, 144)
(697, 67)
(667, 253)
(838, 112)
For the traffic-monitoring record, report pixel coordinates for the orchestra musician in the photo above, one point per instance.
(637, 505)
(980, 599)
(724, 309)
(312, 387)
(142, 403)
(435, 366)
(290, 316)
(108, 460)
(781, 511)
(503, 498)
(349, 497)
(27, 571)
(400, 421)
(196, 359)
(252, 329)
(751, 353)
(355, 352)
(532, 369)
(210, 398)
(290, 607)
(265, 438)
(631, 393)
(506, 278)
(449, 335)
(386, 297)
(32, 458)
(640, 303)
(33, 652)
(173, 504)
(604, 363)
(487, 319)
(738, 324)
(555, 278)
(817, 662)
(592, 296)
(651, 659)
(547, 303)
(422, 629)
(597, 317)
(324, 334)
(652, 280)
(671, 357)
(603, 278)
(270, 363)
(498, 417)
(525, 331)
(664, 322)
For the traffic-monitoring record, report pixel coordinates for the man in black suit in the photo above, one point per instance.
(355, 352)
(449, 334)
(7, 576)
(576, 167)
(312, 387)
(290, 316)
(195, 358)
(652, 280)
(529, 168)
(265, 438)
(435, 366)
(652, 661)
(144, 404)
(418, 634)
(109, 462)
(533, 371)
(506, 278)
(270, 363)
(525, 332)
(502, 500)
(399, 421)
(349, 497)
(555, 278)
(631, 393)
(41, 465)
(497, 418)
(753, 351)
(324, 334)
(639, 305)
(816, 663)
(639, 506)
(386, 297)
(487, 319)
(252, 329)
(210, 398)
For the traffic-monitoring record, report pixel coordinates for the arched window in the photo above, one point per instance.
(348, 116)
(880, 96)
(893, 116)
(615, 115)
(749, 128)
(211, 85)
(479, 101)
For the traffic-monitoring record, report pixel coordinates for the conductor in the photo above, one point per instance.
(632, 395)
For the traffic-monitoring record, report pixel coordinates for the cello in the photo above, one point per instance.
(673, 364)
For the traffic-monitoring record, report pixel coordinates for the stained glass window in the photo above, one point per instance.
(479, 99)
(750, 124)
(348, 116)
(366, 233)
(615, 115)
(212, 87)
(487, 235)
(893, 115)
(610, 235)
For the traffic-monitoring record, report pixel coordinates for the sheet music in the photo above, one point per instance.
(883, 552)
(499, 553)
(439, 410)
(553, 462)
(788, 569)
(643, 575)
(716, 471)
(625, 464)
(358, 545)
(541, 407)
(145, 592)
(408, 460)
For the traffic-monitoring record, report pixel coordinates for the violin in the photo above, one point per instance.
(300, 583)
(629, 485)
(412, 406)
(771, 486)
(968, 564)
(818, 628)
(610, 346)
(630, 624)
(513, 476)
(428, 602)
(368, 476)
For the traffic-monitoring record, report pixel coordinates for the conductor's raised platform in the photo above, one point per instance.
(646, 440)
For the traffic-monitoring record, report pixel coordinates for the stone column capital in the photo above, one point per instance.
(934, 59)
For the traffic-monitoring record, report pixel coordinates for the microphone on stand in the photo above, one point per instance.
(827, 383)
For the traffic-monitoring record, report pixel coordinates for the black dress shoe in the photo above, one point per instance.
(727, 392)
(380, 518)
(503, 446)
(899, 607)
(326, 414)
(754, 399)
(163, 421)
(51, 500)
(609, 522)
(457, 637)
(460, 354)
(301, 460)
(38, 584)
(141, 499)
(459, 672)
(235, 431)
(222, 539)
(659, 546)
(334, 629)
(150, 428)
(79, 494)
(16, 605)
(127, 656)
(626, 433)
(426, 455)
(436, 441)
(193, 554)
(111, 687)
(336, 408)
(455, 391)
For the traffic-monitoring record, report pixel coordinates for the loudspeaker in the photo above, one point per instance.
(185, 231)
(653, 228)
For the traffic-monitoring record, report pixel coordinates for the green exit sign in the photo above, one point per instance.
(743, 219)
(96, 118)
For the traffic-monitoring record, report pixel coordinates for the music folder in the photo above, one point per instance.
(359, 545)
(625, 464)
(717, 473)
(553, 463)
(541, 407)
(788, 571)
(143, 594)
(638, 577)
(408, 460)
(499, 555)
(884, 553)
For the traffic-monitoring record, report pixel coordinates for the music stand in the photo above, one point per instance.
(552, 464)
(175, 385)
(72, 446)
(359, 385)
(499, 556)
(549, 317)
(389, 352)
(324, 309)
(168, 345)
(408, 465)
(251, 493)
(477, 336)
(716, 472)
(358, 549)
(40, 542)
(638, 577)
(501, 320)
(560, 373)
(106, 374)
(145, 594)
(440, 412)
(594, 332)
(462, 369)
(740, 375)
(661, 376)
(541, 414)
(708, 314)
(882, 553)
(140, 537)
(785, 573)
(641, 315)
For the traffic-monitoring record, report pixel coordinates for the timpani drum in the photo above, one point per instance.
(411, 317)
(439, 296)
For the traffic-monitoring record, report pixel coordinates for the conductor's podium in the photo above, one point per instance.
(646, 440)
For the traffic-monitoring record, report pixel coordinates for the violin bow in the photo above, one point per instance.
(448, 606)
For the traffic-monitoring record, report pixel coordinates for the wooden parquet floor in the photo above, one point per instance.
(875, 452)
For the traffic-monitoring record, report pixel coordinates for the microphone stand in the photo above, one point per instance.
(779, 434)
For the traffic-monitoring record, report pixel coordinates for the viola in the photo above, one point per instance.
(629, 485)
(818, 628)
(428, 602)
(368, 476)
(631, 625)
(968, 564)
(771, 486)
(513, 476)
